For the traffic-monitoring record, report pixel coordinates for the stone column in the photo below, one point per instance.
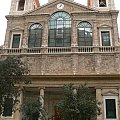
(42, 96)
(18, 114)
(100, 103)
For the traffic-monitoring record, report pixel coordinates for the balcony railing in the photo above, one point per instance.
(106, 49)
(85, 49)
(34, 50)
(60, 50)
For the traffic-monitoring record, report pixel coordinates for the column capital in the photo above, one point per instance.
(98, 87)
(41, 88)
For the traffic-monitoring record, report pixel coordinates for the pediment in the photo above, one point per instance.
(104, 26)
(17, 29)
(110, 93)
(50, 8)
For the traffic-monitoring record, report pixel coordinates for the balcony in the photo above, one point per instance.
(60, 50)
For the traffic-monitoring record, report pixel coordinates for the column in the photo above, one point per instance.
(42, 101)
(18, 114)
(100, 103)
(42, 96)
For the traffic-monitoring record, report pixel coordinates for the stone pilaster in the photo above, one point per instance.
(100, 103)
(95, 34)
(115, 30)
(74, 34)
(119, 103)
(25, 36)
(75, 64)
(45, 35)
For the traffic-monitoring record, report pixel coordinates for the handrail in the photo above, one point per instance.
(60, 50)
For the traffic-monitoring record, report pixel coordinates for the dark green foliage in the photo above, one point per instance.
(32, 110)
(12, 72)
(80, 105)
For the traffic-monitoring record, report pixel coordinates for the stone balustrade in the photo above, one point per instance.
(59, 50)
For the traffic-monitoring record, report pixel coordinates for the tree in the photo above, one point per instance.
(77, 104)
(12, 71)
(32, 110)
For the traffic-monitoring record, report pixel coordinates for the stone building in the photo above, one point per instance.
(65, 42)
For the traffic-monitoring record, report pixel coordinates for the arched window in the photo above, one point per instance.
(21, 5)
(84, 34)
(35, 35)
(59, 30)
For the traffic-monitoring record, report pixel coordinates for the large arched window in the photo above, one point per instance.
(35, 35)
(59, 30)
(84, 34)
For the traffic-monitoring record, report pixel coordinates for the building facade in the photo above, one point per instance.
(65, 42)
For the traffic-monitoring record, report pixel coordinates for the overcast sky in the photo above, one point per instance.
(5, 7)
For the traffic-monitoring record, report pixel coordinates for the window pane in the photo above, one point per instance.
(7, 107)
(84, 34)
(105, 35)
(59, 42)
(102, 3)
(21, 5)
(67, 44)
(60, 30)
(16, 41)
(110, 108)
(52, 44)
(35, 35)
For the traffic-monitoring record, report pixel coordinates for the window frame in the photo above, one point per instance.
(100, 35)
(60, 40)
(78, 35)
(18, 6)
(13, 33)
(29, 34)
(8, 117)
(105, 6)
(116, 103)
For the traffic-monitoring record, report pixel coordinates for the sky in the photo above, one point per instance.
(5, 7)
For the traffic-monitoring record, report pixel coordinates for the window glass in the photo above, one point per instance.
(7, 107)
(102, 3)
(110, 108)
(35, 35)
(84, 34)
(59, 30)
(21, 5)
(16, 40)
(105, 35)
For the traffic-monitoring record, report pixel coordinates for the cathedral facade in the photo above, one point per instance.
(65, 42)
